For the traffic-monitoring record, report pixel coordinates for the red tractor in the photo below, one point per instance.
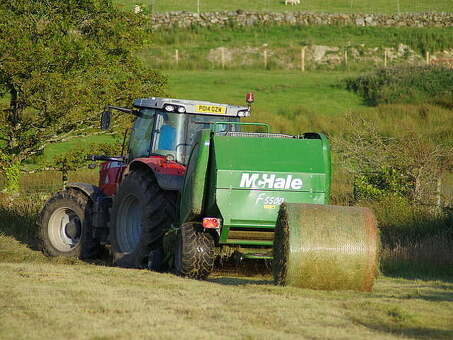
(135, 202)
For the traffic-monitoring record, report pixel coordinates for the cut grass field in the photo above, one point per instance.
(44, 299)
(329, 6)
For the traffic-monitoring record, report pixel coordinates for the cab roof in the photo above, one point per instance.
(193, 106)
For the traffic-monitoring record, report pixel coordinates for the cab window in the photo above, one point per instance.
(140, 138)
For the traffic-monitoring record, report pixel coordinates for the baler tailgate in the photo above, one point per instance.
(254, 176)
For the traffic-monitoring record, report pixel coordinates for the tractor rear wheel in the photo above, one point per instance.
(64, 227)
(194, 253)
(141, 213)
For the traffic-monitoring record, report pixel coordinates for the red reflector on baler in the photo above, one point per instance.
(211, 223)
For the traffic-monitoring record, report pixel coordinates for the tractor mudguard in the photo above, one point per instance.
(169, 174)
(169, 182)
(100, 205)
(92, 191)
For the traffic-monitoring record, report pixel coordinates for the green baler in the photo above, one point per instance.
(243, 178)
(196, 185)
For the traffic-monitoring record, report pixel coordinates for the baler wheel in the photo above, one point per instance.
(194, 253)
(141, 213)
(64, 227)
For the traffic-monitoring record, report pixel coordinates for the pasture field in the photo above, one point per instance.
(279, 92)
(44, 298)
(329, 6)
(56, 149)
(199, 40)
(264, 48)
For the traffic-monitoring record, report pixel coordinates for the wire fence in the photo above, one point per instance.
(305, 58)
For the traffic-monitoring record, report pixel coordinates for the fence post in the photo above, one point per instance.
(385, 57)
(428, 58)
(302, 59)
(177, 57)
(265, 59)
(439, 194)
(346, 57)
(222, 51)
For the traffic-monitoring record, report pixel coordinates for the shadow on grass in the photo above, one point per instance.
(246, 272)
(411, 332)
(18, 218)
(238, 281)
(427, 295)
(418, 245)
(412, 270)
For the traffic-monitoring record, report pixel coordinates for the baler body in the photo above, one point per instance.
(243, 178)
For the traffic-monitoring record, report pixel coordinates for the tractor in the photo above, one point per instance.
(195, 183)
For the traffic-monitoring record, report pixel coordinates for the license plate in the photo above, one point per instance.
(210, 109)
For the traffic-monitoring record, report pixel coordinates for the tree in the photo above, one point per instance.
(61, 62)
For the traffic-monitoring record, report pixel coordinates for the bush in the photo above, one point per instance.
(409, 84)
(408, 166)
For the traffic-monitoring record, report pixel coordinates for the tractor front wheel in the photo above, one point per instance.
(64, 227)
(141, 213)
(194, 253)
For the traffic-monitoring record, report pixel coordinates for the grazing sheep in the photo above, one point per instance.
(138, 9)
(292, 2)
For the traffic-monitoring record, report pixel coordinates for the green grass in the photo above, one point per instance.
(278, 92)
(198, 48)
(330, 6)
(53, 150)
(420, 39)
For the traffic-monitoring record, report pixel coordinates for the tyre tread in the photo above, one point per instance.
(159, 214)
(196, 252)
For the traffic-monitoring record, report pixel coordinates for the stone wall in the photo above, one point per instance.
(241, 18)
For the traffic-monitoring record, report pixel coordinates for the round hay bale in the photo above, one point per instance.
(325, 247)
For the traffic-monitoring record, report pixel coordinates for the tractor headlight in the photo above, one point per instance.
(174, 108)
(243, 113)
(169, 108)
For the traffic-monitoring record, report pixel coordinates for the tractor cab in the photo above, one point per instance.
(167, 127)
(162, 137)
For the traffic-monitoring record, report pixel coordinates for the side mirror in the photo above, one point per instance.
(105, 119)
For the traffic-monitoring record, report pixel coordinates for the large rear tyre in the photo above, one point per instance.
(194, 253)
(64, 227)
(141, 213)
